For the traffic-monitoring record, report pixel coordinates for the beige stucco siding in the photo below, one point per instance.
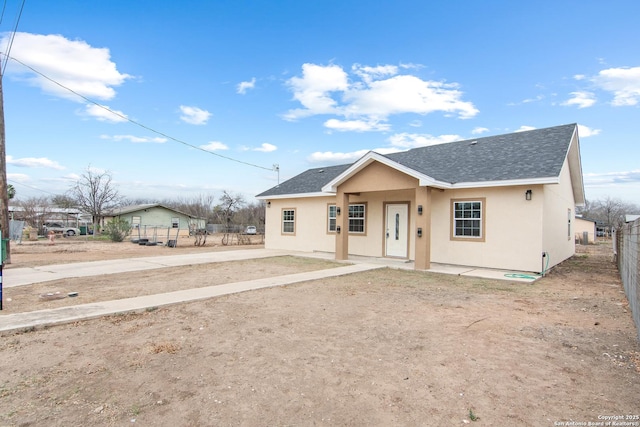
(585, 226)
(513, 229)
(310, 225)
(516, 231)
(559, 207)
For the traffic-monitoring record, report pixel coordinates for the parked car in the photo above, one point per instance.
(250, 230)
(56, 227)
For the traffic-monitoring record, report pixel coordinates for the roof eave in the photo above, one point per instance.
(295, 195)
(372, 156)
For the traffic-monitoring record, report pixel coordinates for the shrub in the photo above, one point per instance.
(117, 229)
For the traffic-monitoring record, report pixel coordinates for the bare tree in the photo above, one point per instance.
(228, 206)
(95, 194)
(200, 206)
(64, 201)
(35, 211)
(252, 214)
(612, 211)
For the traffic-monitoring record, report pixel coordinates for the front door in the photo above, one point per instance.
(397, 229)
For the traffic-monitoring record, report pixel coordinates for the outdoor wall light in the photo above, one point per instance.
(419, 209)
(419, 232)
(338, 210)
(268, 204)
(338, 229)
(527, 194)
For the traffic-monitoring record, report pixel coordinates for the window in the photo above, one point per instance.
(175, 222)
(288, 221)
(356, 218)
(135, 222)
(332, 218)
(468, 220)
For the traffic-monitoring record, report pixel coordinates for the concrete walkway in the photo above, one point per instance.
(26, 276)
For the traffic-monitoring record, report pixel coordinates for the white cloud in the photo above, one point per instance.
(105, 114)
(18, 177)
(379, 93)
(611, 178)
(244, 86)
(75, 64)
(414, 140)
(350, 157)
(34, 162)
(524, 128)
(356, 125)
(585, 132)
(333, 157)
(194, 115)
(479, 130)
(313, 90)
(581, 99)
(368, 74)
(623, 82)
(579, 77)
(214, 146)
(266, 148)
(135, 139)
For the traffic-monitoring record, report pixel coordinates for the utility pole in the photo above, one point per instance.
(4, 195)
(276, 167)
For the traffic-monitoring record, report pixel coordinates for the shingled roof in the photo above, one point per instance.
(520, 156)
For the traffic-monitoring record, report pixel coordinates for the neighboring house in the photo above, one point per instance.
(155, 218)
(505, 201)
(582, 226)
(631, 218)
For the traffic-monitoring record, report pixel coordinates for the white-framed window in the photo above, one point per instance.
(135, 221)
(288, 221)
(331, 218)
(175, 222)
(357, 217)
(468, 219)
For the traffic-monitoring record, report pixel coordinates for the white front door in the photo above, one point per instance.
(397, 229)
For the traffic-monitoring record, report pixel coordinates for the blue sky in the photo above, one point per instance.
(306, 84)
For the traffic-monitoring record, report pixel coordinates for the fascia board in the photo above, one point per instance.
(575, 168)
(295, 196)
(370, 157)
(506, 183)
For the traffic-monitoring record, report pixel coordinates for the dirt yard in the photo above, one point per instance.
(384, 348)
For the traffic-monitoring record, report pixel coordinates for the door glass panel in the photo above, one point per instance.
(397, 226)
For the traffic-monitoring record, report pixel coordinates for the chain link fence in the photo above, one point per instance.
(627, 249)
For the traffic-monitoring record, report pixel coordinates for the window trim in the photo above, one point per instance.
(355, 233)
(282, 221)
(329, 218)
(483, 219)
(175, 222)
(364, 219)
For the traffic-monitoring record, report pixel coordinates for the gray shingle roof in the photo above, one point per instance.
(309, 181)
(538, 153)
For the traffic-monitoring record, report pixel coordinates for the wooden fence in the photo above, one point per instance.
(627, 249)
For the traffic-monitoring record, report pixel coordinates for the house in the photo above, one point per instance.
(156, 221)
(588, 226)
(505, 202)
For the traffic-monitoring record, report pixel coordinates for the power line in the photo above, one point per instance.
(134, 121)
(33, 188)
(13, 34)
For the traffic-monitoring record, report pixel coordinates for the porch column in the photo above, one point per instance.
(423, 244)
(342, 224)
